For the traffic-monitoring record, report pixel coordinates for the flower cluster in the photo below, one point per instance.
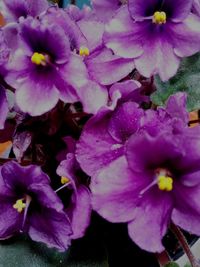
(75, 90)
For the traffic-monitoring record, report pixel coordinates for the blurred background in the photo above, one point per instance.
(79, 3)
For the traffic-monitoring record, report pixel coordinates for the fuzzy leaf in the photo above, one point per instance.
(186, 80)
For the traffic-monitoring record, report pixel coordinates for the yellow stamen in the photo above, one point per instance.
(19, 205)
(84, 51)
(159, 17)
(64, 180)
(38, 59)
(165, 183)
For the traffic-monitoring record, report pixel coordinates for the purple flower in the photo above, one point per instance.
(79, 207)
(43, 70)
(156, 182)
(29, 204)
(104, 135)
(157, 34)
(14, 9)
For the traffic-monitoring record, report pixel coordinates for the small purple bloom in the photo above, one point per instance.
(14, 9)
(79, 207)
(157, 34)
(29, 204)
(156, 182)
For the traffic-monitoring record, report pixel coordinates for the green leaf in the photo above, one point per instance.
(172, 264)
(187, 265)
(24, 252)
(186, 80)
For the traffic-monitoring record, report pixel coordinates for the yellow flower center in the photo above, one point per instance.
(159, 17)
(19, 205)
(165, 183)
(38, 59)
(64, 180)
(84, 51)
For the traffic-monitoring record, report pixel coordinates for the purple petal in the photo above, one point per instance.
(14, 175)
(93, 96)
(115, 191)
(146, 152)
(50, 227)
(176, 107)
(3, 107)
(157, 51)
(36, 97)
(96, 148)
(125, 121)
(104, 9)
(177, 11)
(186, 213)
(152, 218)
(121, 35)
(107, 68)
(11, 220)
(128, 91)
(143, 9)
(93, 32)
(186, 36)
(81, 212)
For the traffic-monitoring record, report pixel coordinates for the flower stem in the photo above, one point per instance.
(163, 258)
(182, 240)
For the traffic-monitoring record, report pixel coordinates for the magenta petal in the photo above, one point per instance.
(50, 227)
(144, 151)
(96, 148)
(186, 213)
(81, 212)
(115, 191)
(11, 220)
(125, 121)
(107, 68)
(153, 61)
(36, 98)
(14, 174)
(93, 32)
(93, 96)
(186, 36)
(176, 107)
(139, 10)
(120, 35)
(151, 220)
(3, 107)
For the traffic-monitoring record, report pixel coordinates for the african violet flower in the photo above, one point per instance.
(156, 182)
(14, 9)
(29, 204)
(78, 208)
(157, 34)
(105, 134)
(44, 69)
